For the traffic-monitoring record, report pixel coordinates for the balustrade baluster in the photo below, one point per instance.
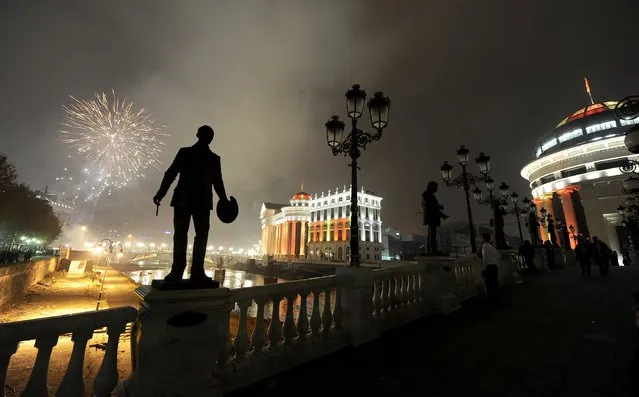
(401, 290)
(391, 295)
(6, 351)
(377, 298)
(302, 320)
(72, 384)
(107, 377)
(338, 312)
(37, 384)
(386, 302)
(258, 339)
(410, 289)
(316, 321)
(274, 328)
(241, 342)
(327, 316)
(289, 321)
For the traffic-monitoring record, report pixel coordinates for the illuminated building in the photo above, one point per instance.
(576, 177)
(318, 227)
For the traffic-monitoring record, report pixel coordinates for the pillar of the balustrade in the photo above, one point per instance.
(177, 340)
(440, 284)
(357, 304)
(508, 269)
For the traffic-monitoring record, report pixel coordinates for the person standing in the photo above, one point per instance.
(200, 171)
(490, 263)
(583, 251)
(601, 254)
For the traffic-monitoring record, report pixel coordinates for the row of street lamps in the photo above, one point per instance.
(466, 179)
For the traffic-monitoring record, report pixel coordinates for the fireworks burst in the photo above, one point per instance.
(118, 141)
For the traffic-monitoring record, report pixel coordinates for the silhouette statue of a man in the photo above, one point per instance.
(199, 170)
(433, 214)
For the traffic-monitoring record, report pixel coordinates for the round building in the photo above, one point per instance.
(576, 174)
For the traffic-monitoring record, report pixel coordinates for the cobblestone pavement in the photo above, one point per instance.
(558, 334)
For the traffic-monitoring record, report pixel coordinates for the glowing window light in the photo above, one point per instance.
(606, 125)
(548, 144)
(570, 135)
(629, 122)
(538, 152)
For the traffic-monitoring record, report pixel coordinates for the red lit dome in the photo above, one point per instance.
(302, 196)
(589, 111)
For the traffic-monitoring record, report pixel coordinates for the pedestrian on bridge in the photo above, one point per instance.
(490, 262)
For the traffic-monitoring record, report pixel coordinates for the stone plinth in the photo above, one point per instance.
(176, 342)
(440, 284)
(357, 301)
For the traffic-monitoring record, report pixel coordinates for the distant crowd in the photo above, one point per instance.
(587, 252)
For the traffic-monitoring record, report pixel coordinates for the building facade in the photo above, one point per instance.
(576, 175)
(318, 227)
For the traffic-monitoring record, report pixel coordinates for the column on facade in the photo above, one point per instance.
(570, 217)
(270, 236)
(362, 230)
(303, 238)
(344, 223)
(276, 240)
(379, 232)
(371, 232)
(542, 230)
(336, 229)
(287, 236)
(294, 237)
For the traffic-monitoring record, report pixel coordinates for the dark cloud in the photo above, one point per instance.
(266, 75)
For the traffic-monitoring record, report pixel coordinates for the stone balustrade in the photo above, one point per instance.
(46, 332)
(210, 342)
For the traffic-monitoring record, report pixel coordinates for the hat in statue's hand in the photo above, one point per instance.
(227, 210)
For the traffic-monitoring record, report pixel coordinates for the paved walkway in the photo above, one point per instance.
(557, 335)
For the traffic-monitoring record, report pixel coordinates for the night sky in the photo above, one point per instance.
(267, 74)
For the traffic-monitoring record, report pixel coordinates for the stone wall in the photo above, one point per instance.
(16, 279)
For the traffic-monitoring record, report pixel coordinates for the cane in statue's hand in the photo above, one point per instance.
(157, 209)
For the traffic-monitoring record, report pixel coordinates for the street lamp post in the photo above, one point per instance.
(515, 199)
(379, 108)
(496, 203)
(110, 245)
(465, 180)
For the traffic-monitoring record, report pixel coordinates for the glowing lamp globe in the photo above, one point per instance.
(446, 169)
(355, 98)
(504, 189)
(334, 131)
(490, 183)
(379, 108)
(483, 162)
(477, 193)
(632, 140)
(462, 155)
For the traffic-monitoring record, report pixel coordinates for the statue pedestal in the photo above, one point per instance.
(441, 284)
(357, 301)
(176, 342)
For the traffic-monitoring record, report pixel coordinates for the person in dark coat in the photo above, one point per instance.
(200, 171)
(433, 214)
(583, 252)
(527, 251)
(601, 255)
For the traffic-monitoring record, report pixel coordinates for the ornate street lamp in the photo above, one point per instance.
(496, 203)
(379, 109)
(515, 199)
(465, 180)
(628, 109)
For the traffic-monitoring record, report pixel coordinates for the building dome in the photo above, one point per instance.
(301, 196)
(592, 123)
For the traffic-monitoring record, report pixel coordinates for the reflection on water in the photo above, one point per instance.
(236, 279)
(233, 278)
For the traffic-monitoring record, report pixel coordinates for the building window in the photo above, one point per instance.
(617, 163)
(601, 126)
(339, 235)
(339, 212)
(548, 144)
(629, 122)
(313, 216)
(538, 152)
(570, 135)
(340, 199)
(325, 214)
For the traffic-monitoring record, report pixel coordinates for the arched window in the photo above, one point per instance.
(339, 254)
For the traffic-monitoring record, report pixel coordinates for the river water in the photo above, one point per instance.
(144, 272)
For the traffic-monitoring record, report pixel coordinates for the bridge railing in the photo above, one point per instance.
(47, 331)
(281, 326)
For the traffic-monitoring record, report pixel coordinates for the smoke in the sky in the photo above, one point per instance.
(267, 74)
